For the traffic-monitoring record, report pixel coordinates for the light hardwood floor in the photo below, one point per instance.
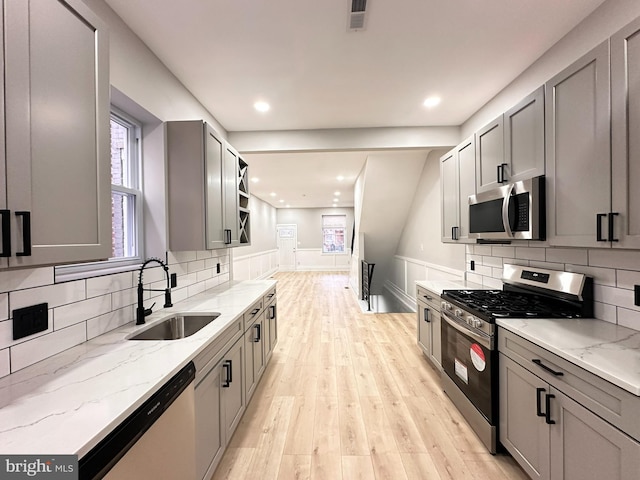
(349, 395)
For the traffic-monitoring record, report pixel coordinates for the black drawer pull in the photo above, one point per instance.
(426, 315)
(428, 297)
(539, 411)
(547, 417)
(26, 234)
(612, 216)
(227, 365)
(538, 362)
(258, 336)
(6, 233)
(599, 217)
(254, 311)
(272, 311)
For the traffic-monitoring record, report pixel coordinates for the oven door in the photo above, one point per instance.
(470, 359)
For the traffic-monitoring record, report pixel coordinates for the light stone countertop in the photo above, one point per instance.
(607, 350)
(67, 403)
(437, 286)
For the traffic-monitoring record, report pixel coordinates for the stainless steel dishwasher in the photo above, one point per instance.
(156, 441)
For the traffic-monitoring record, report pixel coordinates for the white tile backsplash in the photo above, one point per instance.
(54, 295)
(32, 351)
(5, 366)
(614, 272)
(83, 309)
(77, 312)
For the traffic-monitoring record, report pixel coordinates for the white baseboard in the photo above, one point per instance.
(400, 295)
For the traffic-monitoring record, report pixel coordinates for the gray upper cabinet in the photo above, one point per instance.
(490, 156)
(202, 188)
(625, 107)
(524, 138)
(511, 147)
(56, 125)
(457, 177)
(578, 151)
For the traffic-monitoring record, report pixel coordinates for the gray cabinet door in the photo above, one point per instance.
(577, 151)
(425, 315)
(585, 446)
(233, 388)
(524, 138)
(259, 346)
(489, 155)
(250, 379)
(466, 186)
(5, 215)
(523, 433)
(214, 188)
(209, 439)
(272, 314)
(625, 107)
(230, 202)
(449, 195)
(57, 131)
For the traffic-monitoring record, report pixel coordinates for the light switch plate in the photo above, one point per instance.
(636, 295)
(30, 320)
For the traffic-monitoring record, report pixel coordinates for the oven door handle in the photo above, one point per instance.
(483, 340)
(505, 210)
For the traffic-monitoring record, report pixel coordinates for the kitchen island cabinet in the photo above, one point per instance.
(55, 193)
(429, 321)
(561, 422)
(457, 182)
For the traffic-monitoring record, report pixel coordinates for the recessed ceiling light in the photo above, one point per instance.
(431, 102)
(255, 179)
(340, 178)
(281, 201)
(273, 194)
(335, 200)
(261, 106)
(334, 205)
(336, 194)
(287, 205)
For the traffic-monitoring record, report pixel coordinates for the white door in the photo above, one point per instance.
(287, 243)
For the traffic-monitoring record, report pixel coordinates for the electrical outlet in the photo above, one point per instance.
(174, 280)
(218, 268)
(30, 320)
(473, 265)
(636, 295)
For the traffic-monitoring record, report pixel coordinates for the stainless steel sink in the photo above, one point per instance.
(173, 328)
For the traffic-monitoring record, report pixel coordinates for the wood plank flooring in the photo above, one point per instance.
(349, 395)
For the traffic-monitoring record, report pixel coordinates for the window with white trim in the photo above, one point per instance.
(333, 233)
(126, 187)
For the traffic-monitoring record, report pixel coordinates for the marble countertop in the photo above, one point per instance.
(604, 349)
(437, 286)
(67, 403)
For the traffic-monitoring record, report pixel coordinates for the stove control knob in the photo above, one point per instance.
(446, 306)
(477, 322)
(458, 313)
(470, 320)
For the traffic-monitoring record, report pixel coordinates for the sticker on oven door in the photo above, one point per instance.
(461, 371)
(477, 357)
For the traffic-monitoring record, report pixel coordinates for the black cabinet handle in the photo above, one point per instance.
(500, 173)
(539, 411)
(257, 338)
(227, 237)
(426, 315)
(498, 168)
(612, 215)
(254, 311)
(547, 416)
(504, 177)
(538, 362)
(272, 312)
(228, 375)
(26, 234)
(599, 217)
(454, 233)
(428, 297)
(6, 233)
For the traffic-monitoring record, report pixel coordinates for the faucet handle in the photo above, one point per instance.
(148, 311)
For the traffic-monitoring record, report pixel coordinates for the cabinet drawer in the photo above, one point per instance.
(251, 315)
(270, 296)
(427, 296)
(213, 352)
(612, 403)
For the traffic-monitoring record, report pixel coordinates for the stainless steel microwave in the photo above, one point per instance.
(512, 211)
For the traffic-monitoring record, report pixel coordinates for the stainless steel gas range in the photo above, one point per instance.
(469, 343)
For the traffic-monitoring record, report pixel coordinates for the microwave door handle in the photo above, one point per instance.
(505, 210)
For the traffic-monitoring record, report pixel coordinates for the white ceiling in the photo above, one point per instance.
(299, 56)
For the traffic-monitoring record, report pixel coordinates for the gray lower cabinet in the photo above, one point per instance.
(271, 327)
(220, 402)
(255, 354)
(457, 183)
(429, 326)
(554, 426)
(55, 192)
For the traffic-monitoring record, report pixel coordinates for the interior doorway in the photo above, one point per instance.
(287, 245)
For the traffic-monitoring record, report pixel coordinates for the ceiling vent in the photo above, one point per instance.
(357, 15)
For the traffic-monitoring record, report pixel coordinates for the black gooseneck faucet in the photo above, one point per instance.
(141, 312)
